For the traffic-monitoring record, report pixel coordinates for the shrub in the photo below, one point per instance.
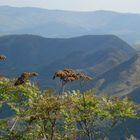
(69, 116)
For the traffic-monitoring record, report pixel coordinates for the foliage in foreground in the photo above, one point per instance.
(41, 115)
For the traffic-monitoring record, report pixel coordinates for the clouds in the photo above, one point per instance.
(86, 5)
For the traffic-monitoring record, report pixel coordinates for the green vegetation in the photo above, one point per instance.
(69, 116)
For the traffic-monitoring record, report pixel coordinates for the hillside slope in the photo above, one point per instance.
(94, 54)
(121, 80)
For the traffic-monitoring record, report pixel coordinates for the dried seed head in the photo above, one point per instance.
(2, 57)
(33, 74)
(83, 76)
(24, 77)
(69, 75)
(19, 81)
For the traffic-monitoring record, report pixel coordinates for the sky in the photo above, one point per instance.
(131, 6)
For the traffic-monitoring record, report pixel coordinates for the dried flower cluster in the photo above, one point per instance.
(24, 77)
(2, 57)
(83, 76)
(69, 75)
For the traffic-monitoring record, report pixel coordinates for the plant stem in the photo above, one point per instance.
(14, 124)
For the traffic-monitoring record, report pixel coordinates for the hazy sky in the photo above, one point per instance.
(81, 5)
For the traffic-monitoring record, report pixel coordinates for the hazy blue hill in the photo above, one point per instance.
(135, 95)
(95, 54)
(122, 80)
(126, 129)
(55, 23)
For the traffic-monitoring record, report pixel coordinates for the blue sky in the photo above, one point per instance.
(132, 6)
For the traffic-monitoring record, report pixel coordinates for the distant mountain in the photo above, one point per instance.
(56, 23)
(98, 55)
(122, 80)
(95, 54)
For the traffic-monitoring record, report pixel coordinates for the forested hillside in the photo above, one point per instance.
(94, 54)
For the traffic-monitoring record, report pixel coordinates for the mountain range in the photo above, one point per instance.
(112, 62)
(61, 24)
(94, 54)
(45, 41)
(122, 79)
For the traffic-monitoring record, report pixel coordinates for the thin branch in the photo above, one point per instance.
(14, 124)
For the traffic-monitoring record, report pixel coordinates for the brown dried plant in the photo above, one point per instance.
(69, 75)
(2, 57)
(24, 77)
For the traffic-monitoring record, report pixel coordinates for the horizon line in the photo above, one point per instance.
(68, 10)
